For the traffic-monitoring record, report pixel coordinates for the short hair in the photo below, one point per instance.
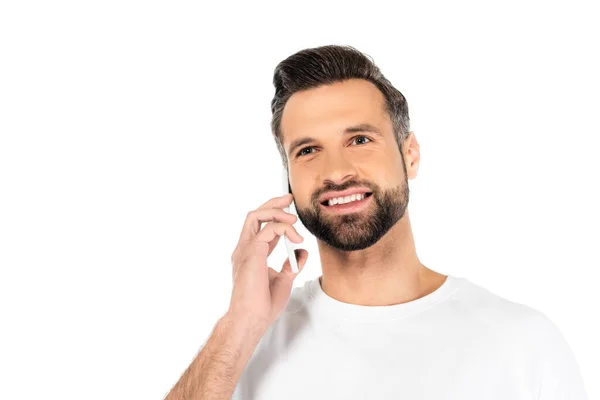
(310, 68)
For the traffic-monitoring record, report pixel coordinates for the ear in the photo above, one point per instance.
(412, 155)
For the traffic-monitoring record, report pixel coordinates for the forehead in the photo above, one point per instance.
(331, 108)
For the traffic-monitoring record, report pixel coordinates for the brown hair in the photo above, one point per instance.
(324, 65)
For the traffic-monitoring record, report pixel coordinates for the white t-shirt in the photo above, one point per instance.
(459, 342)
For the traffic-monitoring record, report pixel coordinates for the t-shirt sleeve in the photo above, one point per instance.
(558, 376)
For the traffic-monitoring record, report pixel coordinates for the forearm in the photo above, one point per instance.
(217, 368)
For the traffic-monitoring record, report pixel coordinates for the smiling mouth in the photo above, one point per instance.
(326, 202)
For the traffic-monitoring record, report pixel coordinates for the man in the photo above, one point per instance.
(378, 324)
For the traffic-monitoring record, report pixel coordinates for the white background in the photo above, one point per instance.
(135, 138)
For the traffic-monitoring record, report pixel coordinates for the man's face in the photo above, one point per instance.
(335, 160)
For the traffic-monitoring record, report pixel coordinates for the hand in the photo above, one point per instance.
(260, 293)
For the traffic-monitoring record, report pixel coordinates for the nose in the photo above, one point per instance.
(338, 169)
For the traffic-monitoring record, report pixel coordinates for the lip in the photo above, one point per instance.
(348, 208)
(348, 192)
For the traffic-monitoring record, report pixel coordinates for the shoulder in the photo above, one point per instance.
(529, 335)
(513, 324)
(492, 309)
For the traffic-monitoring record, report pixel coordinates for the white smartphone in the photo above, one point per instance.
(288, 244)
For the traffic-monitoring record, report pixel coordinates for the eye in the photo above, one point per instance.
(364, 137)
(300, 153)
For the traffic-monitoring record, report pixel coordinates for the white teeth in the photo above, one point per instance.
(346, 199)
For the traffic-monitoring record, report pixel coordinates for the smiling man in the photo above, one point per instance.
(342, 142)
(377, 324)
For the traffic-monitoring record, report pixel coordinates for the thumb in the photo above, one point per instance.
(301, 257)
(283, 283)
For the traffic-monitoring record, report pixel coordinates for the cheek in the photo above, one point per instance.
(385, 174)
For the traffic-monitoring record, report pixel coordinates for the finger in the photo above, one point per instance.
(274, 229)
(273, 244)
(256, 218)
(283, 283)
(277, 202)
(301, 257)
(272, 274)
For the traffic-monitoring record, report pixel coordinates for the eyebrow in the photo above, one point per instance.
(349, 130)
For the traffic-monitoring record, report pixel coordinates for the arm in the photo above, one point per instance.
(259, 295)
(215, 371)
(558, 371)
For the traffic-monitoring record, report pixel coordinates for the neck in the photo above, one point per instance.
(387, 273)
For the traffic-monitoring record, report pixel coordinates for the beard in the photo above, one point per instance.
(360, 229)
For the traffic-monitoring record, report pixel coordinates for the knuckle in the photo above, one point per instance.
(276, 227)
(259, 246)
(270, 225)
